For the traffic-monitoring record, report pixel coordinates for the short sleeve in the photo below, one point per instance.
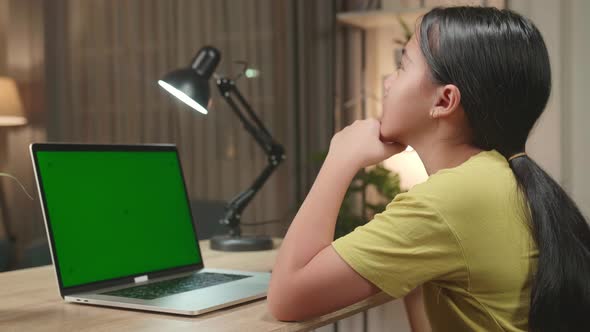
(403, 247)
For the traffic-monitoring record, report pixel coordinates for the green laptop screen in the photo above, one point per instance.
(116, 214)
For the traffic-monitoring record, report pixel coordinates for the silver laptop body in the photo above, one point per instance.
(59, 165)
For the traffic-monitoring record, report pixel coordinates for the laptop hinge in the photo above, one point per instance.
(141, 279)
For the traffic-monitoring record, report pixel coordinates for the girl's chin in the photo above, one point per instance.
(388, 138)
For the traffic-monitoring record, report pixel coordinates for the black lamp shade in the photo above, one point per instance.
(206, 60)
(191, 84)
(187, 86)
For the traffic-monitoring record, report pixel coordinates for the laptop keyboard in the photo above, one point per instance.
(175, 286)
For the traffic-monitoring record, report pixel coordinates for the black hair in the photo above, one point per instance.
(499, 61)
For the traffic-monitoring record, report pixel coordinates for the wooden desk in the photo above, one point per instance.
(30, 301)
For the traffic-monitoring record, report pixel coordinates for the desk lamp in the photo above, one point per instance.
(191, 86)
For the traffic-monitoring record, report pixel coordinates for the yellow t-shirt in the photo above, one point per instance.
(464, 236)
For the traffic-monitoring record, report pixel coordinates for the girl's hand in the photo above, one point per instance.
(359, 145)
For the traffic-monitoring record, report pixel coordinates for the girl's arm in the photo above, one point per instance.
(309, 278)
(417, 317)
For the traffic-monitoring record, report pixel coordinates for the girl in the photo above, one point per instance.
(490, 240)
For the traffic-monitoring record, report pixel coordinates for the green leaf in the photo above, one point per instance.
(407, 31)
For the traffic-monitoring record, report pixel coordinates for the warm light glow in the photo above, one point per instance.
(6, 121)
(183, 97)
(11, 108)
(409, 149)
(409, 167)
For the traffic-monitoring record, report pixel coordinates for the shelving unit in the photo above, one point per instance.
(373, 19)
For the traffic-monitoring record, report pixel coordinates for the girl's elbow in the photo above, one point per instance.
(280, 305)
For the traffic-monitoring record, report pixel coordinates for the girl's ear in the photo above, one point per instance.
(447, 101)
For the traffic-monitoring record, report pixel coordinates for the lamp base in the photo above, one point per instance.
(241, 243)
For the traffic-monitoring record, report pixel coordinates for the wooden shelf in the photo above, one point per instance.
(372, 19)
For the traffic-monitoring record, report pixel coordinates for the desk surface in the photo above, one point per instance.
(29, 300)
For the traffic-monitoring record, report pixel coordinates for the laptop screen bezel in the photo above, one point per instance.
(89, 287)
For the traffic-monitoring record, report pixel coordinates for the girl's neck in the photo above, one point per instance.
(443, 155)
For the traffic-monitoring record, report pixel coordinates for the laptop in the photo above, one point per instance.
(121, 231)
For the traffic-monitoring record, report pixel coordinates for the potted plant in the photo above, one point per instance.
(357, 206)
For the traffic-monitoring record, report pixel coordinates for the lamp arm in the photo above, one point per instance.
(274, 151)
(249, 111)
(248, 117)
(236, 206)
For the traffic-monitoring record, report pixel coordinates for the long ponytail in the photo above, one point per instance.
(560, 296)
